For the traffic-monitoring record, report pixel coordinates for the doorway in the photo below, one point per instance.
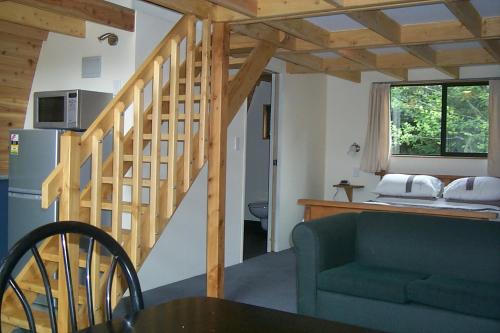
(258, 212)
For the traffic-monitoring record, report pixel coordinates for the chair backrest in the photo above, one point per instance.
(29, 244)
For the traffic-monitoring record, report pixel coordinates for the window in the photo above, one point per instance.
(448, 119)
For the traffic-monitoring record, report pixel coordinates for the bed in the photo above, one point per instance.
(314, 209)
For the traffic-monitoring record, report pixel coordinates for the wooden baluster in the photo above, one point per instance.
(172, 126)
(116, 216)
(189, 103)
(205, 80)
(69, 210)
(95, 220)
(135, 241)
(154, 204)
(118, 135)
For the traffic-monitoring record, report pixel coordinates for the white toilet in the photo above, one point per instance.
(259, 209)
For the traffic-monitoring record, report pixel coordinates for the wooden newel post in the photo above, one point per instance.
(69, 210)
(217, 161)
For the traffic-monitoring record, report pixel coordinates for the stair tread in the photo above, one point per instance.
(38, 287)
(182, 98)
(180, 116)
(51, 254)
(163, 137)
(130, 158)
(14, 315)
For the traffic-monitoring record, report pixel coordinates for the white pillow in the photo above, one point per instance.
(484, 189)
(398, 185)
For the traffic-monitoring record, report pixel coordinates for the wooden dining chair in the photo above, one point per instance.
(95, 236)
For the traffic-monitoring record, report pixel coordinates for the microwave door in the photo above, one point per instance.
(51, 111)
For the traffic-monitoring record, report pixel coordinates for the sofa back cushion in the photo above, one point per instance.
(459, 248)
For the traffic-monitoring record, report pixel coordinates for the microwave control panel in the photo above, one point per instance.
(72, 109)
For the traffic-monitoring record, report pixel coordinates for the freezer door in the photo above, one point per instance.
(26, 214)
(35, 159)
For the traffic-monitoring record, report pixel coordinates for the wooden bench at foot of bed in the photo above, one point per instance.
(314, 209)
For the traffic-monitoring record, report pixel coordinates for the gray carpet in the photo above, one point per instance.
(268, 280)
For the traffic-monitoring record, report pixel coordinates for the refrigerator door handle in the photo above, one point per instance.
(25, 196)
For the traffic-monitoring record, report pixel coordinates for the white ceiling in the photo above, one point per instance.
(487, 7)
(420, 14)
(456, 46)
(336, 22)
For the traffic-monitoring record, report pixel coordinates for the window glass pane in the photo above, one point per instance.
(467, 119)
(416, 120)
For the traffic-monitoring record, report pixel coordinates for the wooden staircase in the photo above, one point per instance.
(154, 163)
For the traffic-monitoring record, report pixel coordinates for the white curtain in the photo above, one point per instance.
(494, 140)
(377, 149)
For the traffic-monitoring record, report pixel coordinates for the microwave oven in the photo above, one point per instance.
(68, 109)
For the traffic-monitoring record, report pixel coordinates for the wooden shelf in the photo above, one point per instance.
(348, 189)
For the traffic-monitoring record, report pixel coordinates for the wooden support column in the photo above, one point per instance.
(69, 210)
(217, 161)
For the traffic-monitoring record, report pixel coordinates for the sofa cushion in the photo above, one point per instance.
(458, 248)
(469, 297)
(369, 282)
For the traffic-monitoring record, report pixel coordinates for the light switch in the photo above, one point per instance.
(237, 143)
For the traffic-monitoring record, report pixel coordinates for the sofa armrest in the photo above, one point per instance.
(320, 245)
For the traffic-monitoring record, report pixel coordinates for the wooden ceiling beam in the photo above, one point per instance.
(364, 3)
(202, 9)
(246, 7)
(426, 33)
(470, 18)
(41, 19)
(428, 55)
(269, 10)
(379, 22)
(23, 31)
(241, 85)
(474, 56)
(492, 46)
(98, 11)
(369, 59)
(386, 27)
(262, 32)
(304, 30)
(317, 65)
(465, 12)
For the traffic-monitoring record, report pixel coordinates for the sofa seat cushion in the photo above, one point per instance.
(369, 282)
(470, 297)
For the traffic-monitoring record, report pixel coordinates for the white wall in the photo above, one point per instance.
(60, 63)
(301, 149)
(235, 187)
(346, 121)
(257, 159)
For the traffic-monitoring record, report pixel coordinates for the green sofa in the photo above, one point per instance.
(400, 272)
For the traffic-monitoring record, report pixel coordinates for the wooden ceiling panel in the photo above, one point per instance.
(41, 19)
(98, 11)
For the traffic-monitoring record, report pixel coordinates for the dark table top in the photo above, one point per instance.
(213, 315)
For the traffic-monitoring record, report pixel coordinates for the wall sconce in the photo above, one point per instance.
(354, 148)
(111, 37)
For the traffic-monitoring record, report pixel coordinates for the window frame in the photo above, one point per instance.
(444, 107)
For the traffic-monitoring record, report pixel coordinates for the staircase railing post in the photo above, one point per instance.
(69, 210)
(217, 161)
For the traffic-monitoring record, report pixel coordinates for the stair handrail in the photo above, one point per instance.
(52, 187)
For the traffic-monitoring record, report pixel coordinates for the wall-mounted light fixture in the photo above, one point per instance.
(111, 37)
(354, 148)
